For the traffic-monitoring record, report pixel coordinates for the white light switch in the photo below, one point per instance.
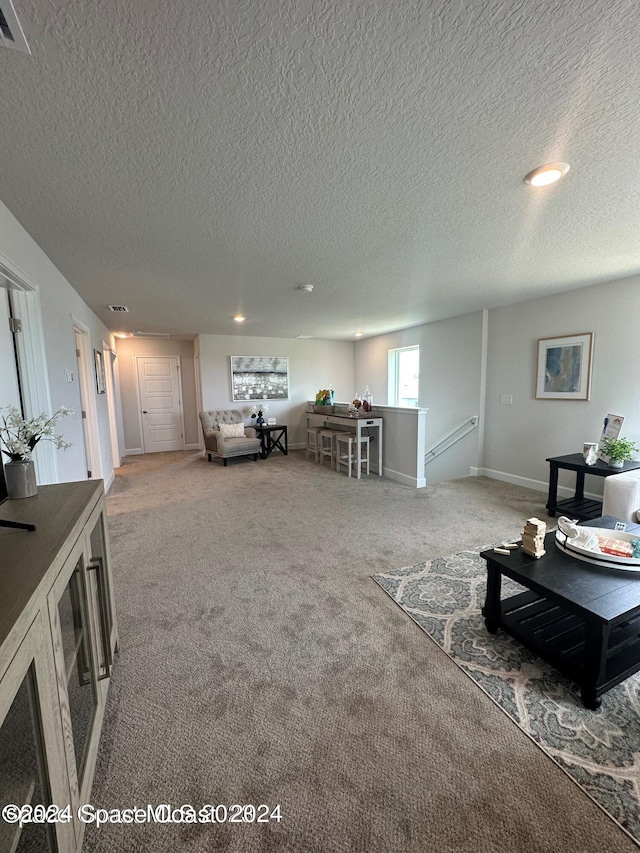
(506, 399)
(68, 376)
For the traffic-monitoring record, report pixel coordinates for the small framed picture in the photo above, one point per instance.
(271, 421)
(564, 367)
(101, 383)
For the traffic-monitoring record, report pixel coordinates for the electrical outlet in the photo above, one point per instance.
(506, 399)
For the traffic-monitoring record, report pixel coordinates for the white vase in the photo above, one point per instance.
(616, 463)
(20, 477)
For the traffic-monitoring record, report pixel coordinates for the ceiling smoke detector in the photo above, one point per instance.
(306, 288)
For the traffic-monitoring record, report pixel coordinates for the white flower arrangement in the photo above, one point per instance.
(19, 437)
(259, 410)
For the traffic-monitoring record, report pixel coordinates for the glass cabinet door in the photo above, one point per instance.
(33, 765)
(76, 650)
(23, 773)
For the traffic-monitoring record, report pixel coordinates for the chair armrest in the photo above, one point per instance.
(250, 432)
(212, 439)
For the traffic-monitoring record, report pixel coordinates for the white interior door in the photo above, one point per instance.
(160, 402)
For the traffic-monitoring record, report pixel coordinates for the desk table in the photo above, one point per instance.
(357, 425)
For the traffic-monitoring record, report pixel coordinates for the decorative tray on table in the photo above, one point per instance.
(614, 549)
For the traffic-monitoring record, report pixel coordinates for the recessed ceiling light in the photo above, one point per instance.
(239, 318)
(305, 288)
(304, 337)
(548, 174)
(357, 334)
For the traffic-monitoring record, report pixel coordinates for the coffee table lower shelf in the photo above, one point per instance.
(561, 637)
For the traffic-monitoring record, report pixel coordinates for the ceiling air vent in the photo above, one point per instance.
(11, 34)
(118, 309)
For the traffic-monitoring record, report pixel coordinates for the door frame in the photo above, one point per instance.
(32, 361)
(178, 361)
(109, 357)
(82, 341)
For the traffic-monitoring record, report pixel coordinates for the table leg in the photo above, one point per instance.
(492, 610)
(594, 663)
(553, 489)
(359, 450)
(579, 485)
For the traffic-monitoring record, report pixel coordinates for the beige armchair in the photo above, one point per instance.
(225, 435)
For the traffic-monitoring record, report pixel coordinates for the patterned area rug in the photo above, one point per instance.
(599, 750)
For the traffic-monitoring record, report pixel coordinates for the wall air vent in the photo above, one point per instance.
(11, 34)
(118, 309)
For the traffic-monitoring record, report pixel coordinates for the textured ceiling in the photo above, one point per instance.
(192, 159)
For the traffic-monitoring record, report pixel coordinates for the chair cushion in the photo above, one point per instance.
(231, 430)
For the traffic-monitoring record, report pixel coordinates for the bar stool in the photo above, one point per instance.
(327, 444)
(346, 453)
(313, 441)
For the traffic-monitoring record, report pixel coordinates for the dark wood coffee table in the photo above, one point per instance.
(583, 620)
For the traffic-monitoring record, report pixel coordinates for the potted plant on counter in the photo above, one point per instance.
(618, 450)
(18, 439)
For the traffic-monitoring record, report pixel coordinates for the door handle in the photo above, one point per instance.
(145, 412)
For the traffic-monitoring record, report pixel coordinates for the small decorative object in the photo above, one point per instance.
(564, 367)
(18, 438)
(258, 413)
(324, 398)
(367, 400)
(533, 535)
(618, 450)
(271, 421)
(611, 428)
(590, 452)
(355, 405)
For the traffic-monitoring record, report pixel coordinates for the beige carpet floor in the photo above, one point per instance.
(259, 663)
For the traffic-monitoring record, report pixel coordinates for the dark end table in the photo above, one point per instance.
(272, 436)
(578, 506)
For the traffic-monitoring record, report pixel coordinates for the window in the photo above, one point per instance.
(404, 376)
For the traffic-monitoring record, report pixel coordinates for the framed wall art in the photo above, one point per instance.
(101, 382)
(259, 377)
(564, 367)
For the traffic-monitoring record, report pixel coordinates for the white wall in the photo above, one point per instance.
(520, 437)
(313, 364)
(451, 384)
(128, 349)
(61, 305)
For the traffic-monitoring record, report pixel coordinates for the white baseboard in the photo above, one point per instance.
(527, 483)
(192, 447)
(133, 451)
(109, 480)
(405, 479)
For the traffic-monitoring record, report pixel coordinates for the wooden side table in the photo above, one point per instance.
(272, 436)
(578, 506)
